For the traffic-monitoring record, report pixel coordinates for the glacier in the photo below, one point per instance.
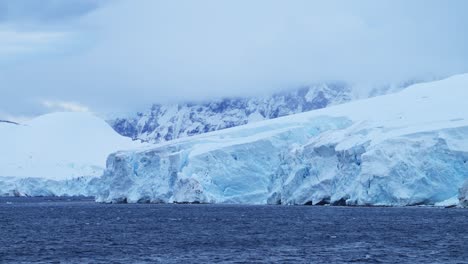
(463, 195)
(36, 186)
(406, 148)
(56, 154)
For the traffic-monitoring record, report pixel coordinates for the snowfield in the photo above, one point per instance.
(407, 148)
(55, 154)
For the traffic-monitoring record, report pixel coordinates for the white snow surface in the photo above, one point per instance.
(54, 148)
(406, 148)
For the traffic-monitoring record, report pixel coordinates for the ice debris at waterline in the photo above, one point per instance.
(407, 148)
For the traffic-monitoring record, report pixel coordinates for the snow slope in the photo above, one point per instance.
(55, 147)
(405, 148)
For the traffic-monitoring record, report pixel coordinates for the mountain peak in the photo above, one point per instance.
(165, 122)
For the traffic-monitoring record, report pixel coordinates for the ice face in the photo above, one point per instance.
(286, 168)
(206, 170)
(463, 195)
(381, 151)
(13, 186)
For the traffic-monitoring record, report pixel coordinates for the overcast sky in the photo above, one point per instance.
(122, 55)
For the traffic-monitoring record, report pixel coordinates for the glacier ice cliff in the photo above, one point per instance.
(407, 148)
(33, 186)
(463, 195)
(288, 167)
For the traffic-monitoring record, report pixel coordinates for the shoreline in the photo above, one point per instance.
(91, 199)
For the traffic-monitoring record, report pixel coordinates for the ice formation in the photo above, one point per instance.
(463, 195)
(55, 154)
(407, 148)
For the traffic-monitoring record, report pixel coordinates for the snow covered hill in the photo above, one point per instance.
(405, 148)
(67, 147)
(167, 122)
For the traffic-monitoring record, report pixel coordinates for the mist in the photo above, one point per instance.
(121, 56)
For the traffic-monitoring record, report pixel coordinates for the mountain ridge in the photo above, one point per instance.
(165, 122)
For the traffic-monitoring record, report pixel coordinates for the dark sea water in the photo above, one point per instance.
(81, 231)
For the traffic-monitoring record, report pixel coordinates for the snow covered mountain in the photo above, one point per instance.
(405, 148)
(55, 151)
(167, 122)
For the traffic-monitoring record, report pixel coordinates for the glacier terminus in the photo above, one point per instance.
(393, 150)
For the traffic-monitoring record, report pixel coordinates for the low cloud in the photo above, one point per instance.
(65, 106)
(45, 11)
(17, 44)
(127, 54)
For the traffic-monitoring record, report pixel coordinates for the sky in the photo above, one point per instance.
(113, 56)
